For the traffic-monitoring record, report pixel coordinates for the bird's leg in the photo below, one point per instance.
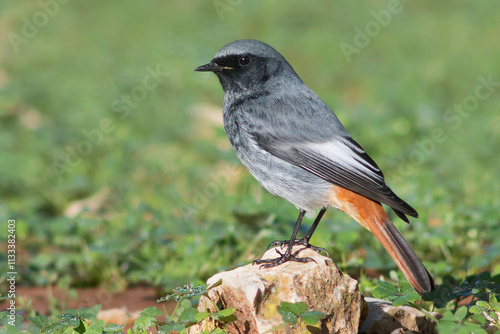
(304, 241)
(287, 256)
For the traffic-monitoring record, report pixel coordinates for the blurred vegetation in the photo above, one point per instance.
(100, 108)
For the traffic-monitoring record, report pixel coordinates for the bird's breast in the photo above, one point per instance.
(300, 187)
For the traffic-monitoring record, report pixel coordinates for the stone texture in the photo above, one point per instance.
(256, 293)
(383, 317)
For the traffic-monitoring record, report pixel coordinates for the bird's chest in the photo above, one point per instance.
(279, 177)
(238, 130)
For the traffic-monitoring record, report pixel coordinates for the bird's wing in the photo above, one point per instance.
(323, 147)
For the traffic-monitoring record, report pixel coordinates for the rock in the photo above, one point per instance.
(490, 327)
(255, 293)
(119, 316)
(383, 317)
(90, 205)
(404, 331)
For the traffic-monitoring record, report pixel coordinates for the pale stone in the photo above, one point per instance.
(119, 316)
(383, 317)
(256, 292)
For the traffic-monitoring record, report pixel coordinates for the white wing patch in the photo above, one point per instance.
(347, 155)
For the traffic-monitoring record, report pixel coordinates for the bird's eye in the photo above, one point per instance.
(244, 60)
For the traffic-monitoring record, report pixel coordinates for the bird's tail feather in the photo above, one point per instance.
(371, 215)
(402, 253)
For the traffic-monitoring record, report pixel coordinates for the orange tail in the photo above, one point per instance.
(371, 215)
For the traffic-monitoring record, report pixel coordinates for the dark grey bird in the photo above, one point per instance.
(296, 147)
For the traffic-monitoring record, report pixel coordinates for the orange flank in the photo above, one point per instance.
(371, 215)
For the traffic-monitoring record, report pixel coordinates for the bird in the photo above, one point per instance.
(297, 149)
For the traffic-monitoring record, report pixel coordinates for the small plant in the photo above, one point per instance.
(297, 314)
(72, 321)
(185, 315)
(459, 322)
(467, 307)
(489, 310)
(84, 320)
(400, 294)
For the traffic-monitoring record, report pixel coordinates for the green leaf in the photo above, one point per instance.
(494, 303)
(216, 284)
(57, 328)
(40, 321)
(226, 312)
(493, 315)
(300, 308)
(113, 328)
(287, 307)
(475, 309)
(173, 327)
(96, 328)
(144, 322)
(289, 318)
(312, 317)
(448, 317)
(444, 293)
(483, 304)
(81, 326)
(202, 315)
(288, 315)
(218, 331)
(470, 327)
(185, 303)
(188, 316)
(100, 327)
(479, 318)
(384, 290)
(485, 276)
(89, 313)
(461, 313)
(407, 297)
(404, 285)
(226, 315)
(151, 312)
(399, 295)
(73, 321)
(296, 308)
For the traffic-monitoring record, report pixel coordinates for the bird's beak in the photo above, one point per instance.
(212, 67)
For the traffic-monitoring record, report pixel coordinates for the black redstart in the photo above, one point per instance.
(296, 147)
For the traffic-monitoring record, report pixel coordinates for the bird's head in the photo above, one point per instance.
(249, 65)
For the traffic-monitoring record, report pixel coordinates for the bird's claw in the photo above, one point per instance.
(269, 263)
(301, 242)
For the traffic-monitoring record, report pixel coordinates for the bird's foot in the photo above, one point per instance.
(302, 242)
(287, 256)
